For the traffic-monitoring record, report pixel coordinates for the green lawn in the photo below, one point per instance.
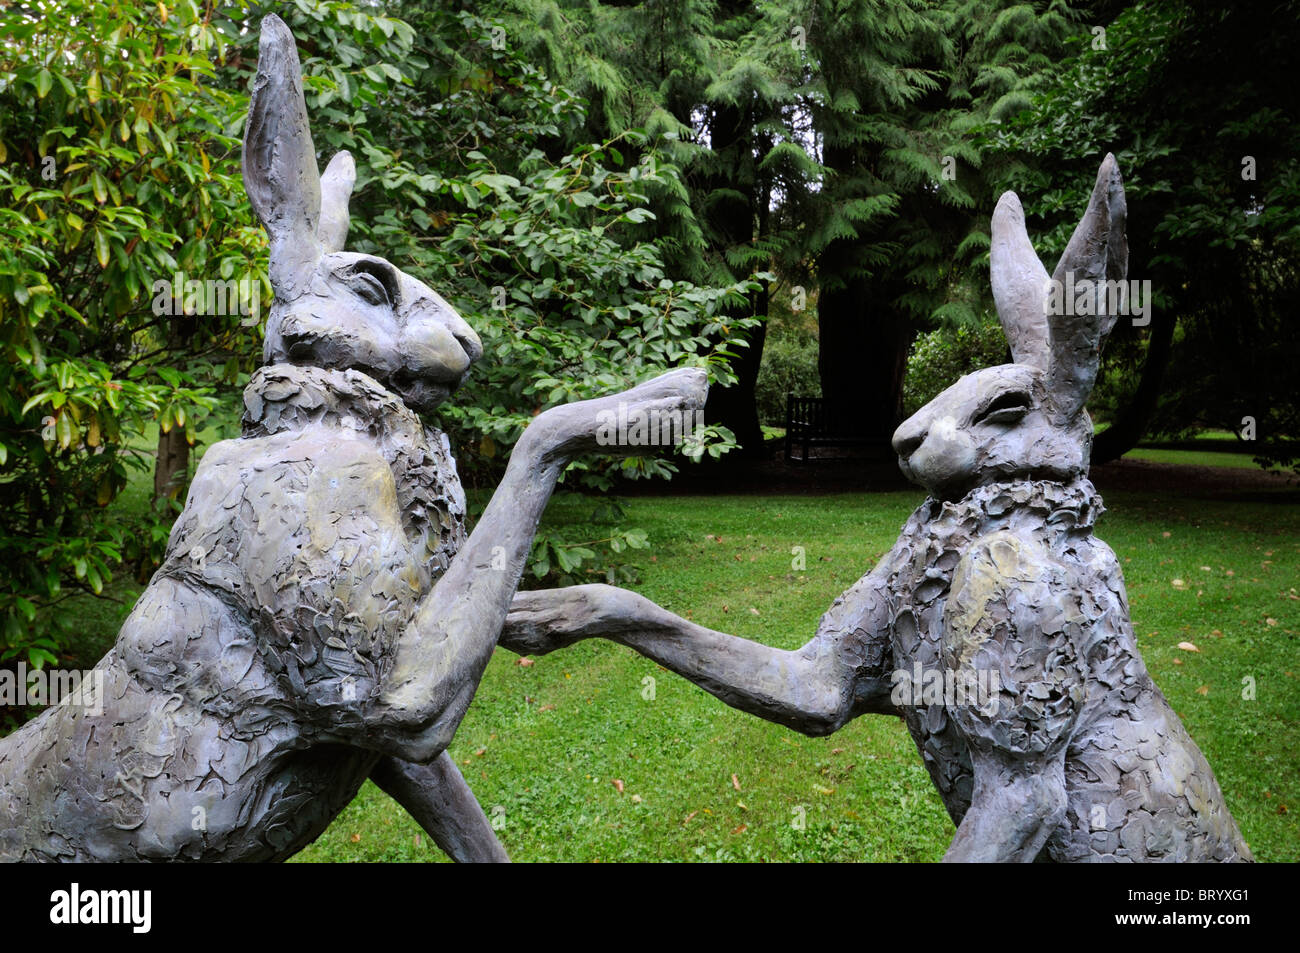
(543, 745)
(1196, 458)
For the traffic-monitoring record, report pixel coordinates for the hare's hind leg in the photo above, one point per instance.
(437, 796)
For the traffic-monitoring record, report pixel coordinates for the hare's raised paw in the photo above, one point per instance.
(659, 413)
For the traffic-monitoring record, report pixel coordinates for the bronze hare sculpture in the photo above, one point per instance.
(320, 617)
(996, 580)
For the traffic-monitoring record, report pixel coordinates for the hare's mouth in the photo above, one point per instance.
(422, 393)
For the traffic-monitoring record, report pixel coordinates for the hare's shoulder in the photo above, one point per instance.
(325, 472)
(269, 510)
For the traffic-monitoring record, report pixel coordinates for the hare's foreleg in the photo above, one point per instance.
(437, 796)
(841, 673)
(441, 655)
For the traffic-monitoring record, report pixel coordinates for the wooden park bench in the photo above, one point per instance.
(812, 422)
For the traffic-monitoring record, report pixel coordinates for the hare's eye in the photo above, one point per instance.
(1005, 409)
(369, 287)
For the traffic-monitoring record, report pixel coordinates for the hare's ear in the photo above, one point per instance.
(335, 190)
(1019, 284)
(1096, 255)
(280, 174)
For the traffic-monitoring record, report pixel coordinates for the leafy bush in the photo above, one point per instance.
(118, 171)
(939, 357)
(789, 367)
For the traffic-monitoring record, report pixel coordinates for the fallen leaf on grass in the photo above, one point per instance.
(687, 820)
(1188, 647)
(356, 838)
(735, 782)
(821, 790)
(618, 784)
(1203, 690)
(524, 662)
(741, 828)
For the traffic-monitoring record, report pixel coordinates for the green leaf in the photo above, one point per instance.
(63, 430)
(33, 401)
(38, 657)
(101, 248)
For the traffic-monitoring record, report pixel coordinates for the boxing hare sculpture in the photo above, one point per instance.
(996, 582)
(320, 617)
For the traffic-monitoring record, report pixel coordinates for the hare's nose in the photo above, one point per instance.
(909, 436)
(468, 340)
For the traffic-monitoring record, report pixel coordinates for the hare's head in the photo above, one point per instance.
(336, 309)
(1027, 419)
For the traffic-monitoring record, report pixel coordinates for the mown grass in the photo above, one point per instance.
(1197, 458)
(544, 744)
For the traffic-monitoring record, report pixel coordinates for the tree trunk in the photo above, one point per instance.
(729, 221)
(862, 354)
(172, 469)
(862, 336)
(171, 472)
(735, 407)
(1131, 423)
